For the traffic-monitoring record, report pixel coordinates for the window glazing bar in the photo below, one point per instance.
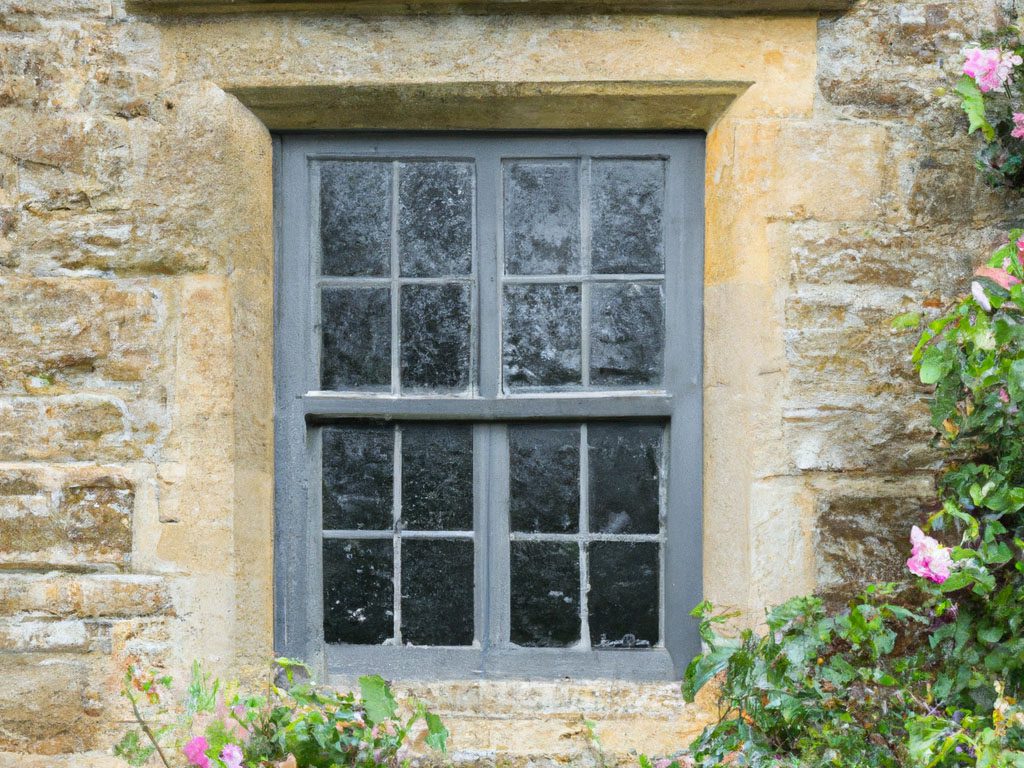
(320, 406)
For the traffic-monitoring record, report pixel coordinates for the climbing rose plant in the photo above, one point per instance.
(992, 95)
(928, 671)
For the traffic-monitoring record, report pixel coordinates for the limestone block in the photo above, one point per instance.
(830, 171)
(85, 596)
(76, 427)
(85, 522)
(67, 332)
(52, 703)
(862, 537)
(864, 438)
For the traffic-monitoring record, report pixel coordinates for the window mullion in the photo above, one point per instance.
(488, 265)
(497, 583)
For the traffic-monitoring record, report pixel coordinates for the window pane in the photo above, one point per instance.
(542, 335)
(627, 200)
(542, 217)
(358, 477)
(627, 335)
(435, 336)
(625, 469)
(358, 591)
(437, 592)
(355, 218)
(545, 593)
(435, 218)
(544, 468)
(623, 597)
(356, 350)
(437, 477)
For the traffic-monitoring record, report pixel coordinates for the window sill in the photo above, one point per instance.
(696, 7)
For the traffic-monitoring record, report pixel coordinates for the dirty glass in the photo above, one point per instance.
(356, 338)
(437, 592)
(355, 218)
(627, 334)
(358, 477)
(625, 477)
(435, 218)
(542, 335)
(437, 477)
(544, 478)
(358, 591)
(545, 593)
(627, 202)
(623, 598)
(542, 217)
(435, 337)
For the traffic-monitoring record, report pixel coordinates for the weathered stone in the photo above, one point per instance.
(83, 596)
(79, 526)
(77, 427)
(52, 702)
(861, 539)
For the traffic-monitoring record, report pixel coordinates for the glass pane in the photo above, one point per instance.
(355, 218)
(437, 477)
(435, 336)
(627, 202)
(437, 592)
(623, 597)
(542, 217)
(544, 483)
(435, 218)
(545, 593)
(359, 594)
(358, 477)
(627, 334)
(542, 335)
(625, 469)
(356, 336)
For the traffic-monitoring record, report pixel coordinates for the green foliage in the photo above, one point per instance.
(1001, 157)
(295, 726)
(973, 103)
(923, 672)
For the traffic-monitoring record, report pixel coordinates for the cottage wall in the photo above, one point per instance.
(136, 325)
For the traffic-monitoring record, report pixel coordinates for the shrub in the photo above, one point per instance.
(293, 725)
(926, 672)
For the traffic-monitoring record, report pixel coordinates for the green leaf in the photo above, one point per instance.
(437, 734)
(377, 699)
(934, 365)
(972, 100)
(990, 634)
(906, 320)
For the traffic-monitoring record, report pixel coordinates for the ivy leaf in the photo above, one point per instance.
(377, 698)
(973, 102)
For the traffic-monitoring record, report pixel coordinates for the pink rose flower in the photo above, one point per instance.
(195, 751)
(991, 68)
(232, 756)
(1004, 396)
(928, 558)
(1018, 131)
(1000, 277)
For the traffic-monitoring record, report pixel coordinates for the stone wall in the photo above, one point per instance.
(135, 325)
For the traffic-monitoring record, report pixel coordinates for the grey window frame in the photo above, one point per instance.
(300, 408)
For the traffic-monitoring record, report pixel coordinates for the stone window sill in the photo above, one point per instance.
(701, 7)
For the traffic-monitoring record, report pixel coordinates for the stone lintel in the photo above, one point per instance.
(696, 7)
(595, 105)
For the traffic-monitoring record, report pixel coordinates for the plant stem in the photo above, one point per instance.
(146, 729)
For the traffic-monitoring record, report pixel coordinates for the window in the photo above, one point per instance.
(487, 362)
